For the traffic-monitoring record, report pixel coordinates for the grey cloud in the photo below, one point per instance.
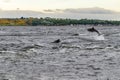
(95, 10)
(49, 10)
(89, 13)
(53, 11)
(59, 10)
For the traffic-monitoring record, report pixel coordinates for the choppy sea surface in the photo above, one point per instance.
(27, 53)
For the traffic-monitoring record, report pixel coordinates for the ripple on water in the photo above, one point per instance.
(30, 55)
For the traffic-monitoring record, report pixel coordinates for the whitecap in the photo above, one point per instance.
(99, 37)
(62, 50)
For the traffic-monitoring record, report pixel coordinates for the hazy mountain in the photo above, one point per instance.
(90, 13)
(19, 13)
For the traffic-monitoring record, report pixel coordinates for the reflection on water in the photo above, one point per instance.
(27, 53)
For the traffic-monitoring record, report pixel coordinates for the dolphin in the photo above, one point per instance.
(57, 41)
(93, 30)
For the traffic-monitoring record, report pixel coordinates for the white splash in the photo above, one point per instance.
(99, 37)
(62, 50)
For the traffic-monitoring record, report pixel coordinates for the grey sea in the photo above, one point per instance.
(27, 53)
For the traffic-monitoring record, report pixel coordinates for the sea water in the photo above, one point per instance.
(27, 53)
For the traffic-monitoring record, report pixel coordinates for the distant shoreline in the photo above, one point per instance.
(55, 22)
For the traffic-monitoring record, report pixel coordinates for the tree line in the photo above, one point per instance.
(53, 22)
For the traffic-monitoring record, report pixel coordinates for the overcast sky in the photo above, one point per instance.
(40, 5)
